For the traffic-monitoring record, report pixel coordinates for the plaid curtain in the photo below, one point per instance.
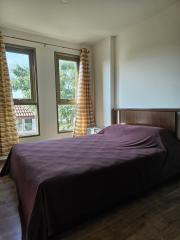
(84, 112)
(8, 132)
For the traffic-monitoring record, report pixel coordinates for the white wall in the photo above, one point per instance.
(103, 61)
(46, 80)
(148, 62)
(147, 66)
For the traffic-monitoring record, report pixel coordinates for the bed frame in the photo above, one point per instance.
(165, 118)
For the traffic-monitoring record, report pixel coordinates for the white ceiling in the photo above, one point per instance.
(79, 21)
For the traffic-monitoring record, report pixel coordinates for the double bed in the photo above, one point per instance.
(63, 182)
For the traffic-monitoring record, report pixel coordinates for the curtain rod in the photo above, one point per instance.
(49, 44)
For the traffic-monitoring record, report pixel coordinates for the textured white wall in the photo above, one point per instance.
(148, 62)
(46, 81)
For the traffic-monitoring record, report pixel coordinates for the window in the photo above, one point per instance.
(66, 69)
(22, 71)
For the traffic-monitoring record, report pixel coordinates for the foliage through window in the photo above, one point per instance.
(66, 68)
(22, 71)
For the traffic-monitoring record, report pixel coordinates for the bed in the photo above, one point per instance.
(62, 182)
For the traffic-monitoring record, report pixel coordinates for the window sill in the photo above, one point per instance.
(27, 136)
(65, 131)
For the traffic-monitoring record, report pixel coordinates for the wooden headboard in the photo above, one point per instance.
(165, 118)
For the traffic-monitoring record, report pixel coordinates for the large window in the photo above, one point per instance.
(22, 70)
(66, 68)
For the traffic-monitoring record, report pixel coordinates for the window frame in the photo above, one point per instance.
(59, 101)
(31, 52)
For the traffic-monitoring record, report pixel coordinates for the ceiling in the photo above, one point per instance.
(78, 21)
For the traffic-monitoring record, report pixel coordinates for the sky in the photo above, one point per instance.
(13, 59)
(17, 58)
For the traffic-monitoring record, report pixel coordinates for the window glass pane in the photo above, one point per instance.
(68, 79)
(28, 124)
(19, 125)
(66, 117)
(19, 70)
(26, 119)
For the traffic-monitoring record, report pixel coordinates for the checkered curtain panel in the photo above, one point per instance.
(84, 112)
(8, 132)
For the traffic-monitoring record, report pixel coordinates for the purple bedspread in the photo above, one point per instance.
(61, 182)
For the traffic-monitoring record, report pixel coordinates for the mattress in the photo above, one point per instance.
(65, 181)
